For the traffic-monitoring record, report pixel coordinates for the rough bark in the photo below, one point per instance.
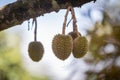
(21, 10)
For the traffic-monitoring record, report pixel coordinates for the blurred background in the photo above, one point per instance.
(98, 21)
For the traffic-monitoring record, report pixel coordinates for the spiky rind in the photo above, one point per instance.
(80, 47)
(62, 46)
(35, 50)
(74, 34)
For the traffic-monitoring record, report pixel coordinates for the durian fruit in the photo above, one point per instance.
(74, 34)
(62, 46)
(35, 50)
(80, 47)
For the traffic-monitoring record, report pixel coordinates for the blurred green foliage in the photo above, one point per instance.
(104, 48)
(10, 59)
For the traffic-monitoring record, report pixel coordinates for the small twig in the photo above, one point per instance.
(28, 25)
(32, 23)
(69, 22)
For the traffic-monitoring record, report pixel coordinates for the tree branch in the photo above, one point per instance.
(21, 10)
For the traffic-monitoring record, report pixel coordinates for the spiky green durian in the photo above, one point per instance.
(35, 50)
(74, 34)
(80, 47)
(62, 46)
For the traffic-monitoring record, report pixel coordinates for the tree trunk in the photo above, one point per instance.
(21, 10)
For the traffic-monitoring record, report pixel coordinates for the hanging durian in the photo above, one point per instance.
(35, 48)
(80, 47)
(80, 43)
(62, 44)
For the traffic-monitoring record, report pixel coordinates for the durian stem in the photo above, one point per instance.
(74, 20)
(35, 30)
(65, 20)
